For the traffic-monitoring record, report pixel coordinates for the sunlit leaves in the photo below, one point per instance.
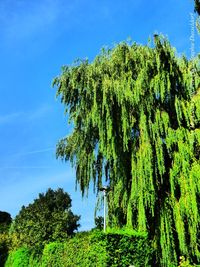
(136, 116)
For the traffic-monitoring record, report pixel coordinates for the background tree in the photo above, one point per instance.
(47, 219)
(5, 221)
(197, 10)
(135, 111)
(99, 221)
(197, 7)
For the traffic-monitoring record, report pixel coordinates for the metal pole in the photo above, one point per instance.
(104, 225)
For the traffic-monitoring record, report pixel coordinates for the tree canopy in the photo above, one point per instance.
(5, 221)
(197, 7)
(48, 218)
(136, 116)
(99, 222)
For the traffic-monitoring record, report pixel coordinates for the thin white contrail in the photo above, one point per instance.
(25, 167)
(42, 150)
(30, 153)
(37, 151)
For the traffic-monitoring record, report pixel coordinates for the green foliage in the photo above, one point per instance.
(5, 221)
(197, 6)
(77, 251)
(126, 231)
(91, 249)
(99, 222)
(4, 247)
(8, 242)
(18, 258)
(53, 255)
(185, 262)
(136, 116)
(125, 248)
(85, 249)
(98, 249)
(49, 218)
(5, 240)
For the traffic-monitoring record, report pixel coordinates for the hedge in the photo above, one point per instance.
(19, 258)
(88, 249)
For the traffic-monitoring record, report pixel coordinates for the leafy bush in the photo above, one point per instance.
(53, 255)
(111, 249)
(99, 223)
(98, 253)
(35, 259)
(85, 249)
(126, 247)
(119, 248)
(76, 251)
(4, 247)
(19, 258)
(5, 221)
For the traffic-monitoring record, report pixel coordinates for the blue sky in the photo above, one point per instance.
(36, 39)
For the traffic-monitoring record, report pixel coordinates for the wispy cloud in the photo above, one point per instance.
(16, 160)
(39, 112)
(19, 156)
(24, 19)
(25, 167)
(30, 115)
(37, 151)
(9, 118)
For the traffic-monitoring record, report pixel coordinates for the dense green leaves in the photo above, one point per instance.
(135, 111)
(88, 249)
(5, 221)
(4, 247)
(19, 258)
(99, 222)
(49, 218)
(127, 249)
(197, 6)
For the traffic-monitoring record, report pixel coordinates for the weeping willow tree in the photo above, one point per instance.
(136, 116)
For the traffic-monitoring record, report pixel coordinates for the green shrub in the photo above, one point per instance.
(97, 252)
(53, 255)
(4, 247)
(35, 259)
(119, 248)
(127, 247)
(76, 251)
(18, 258)
(85, 249)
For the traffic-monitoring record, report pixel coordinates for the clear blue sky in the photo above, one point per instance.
(36, 39)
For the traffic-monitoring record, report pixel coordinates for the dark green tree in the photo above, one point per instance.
(197, 7)
(136, 116)
(48, 218)
(197, 10)
(99, 221)
(5, 221)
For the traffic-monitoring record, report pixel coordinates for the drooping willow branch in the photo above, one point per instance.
(136, 116)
